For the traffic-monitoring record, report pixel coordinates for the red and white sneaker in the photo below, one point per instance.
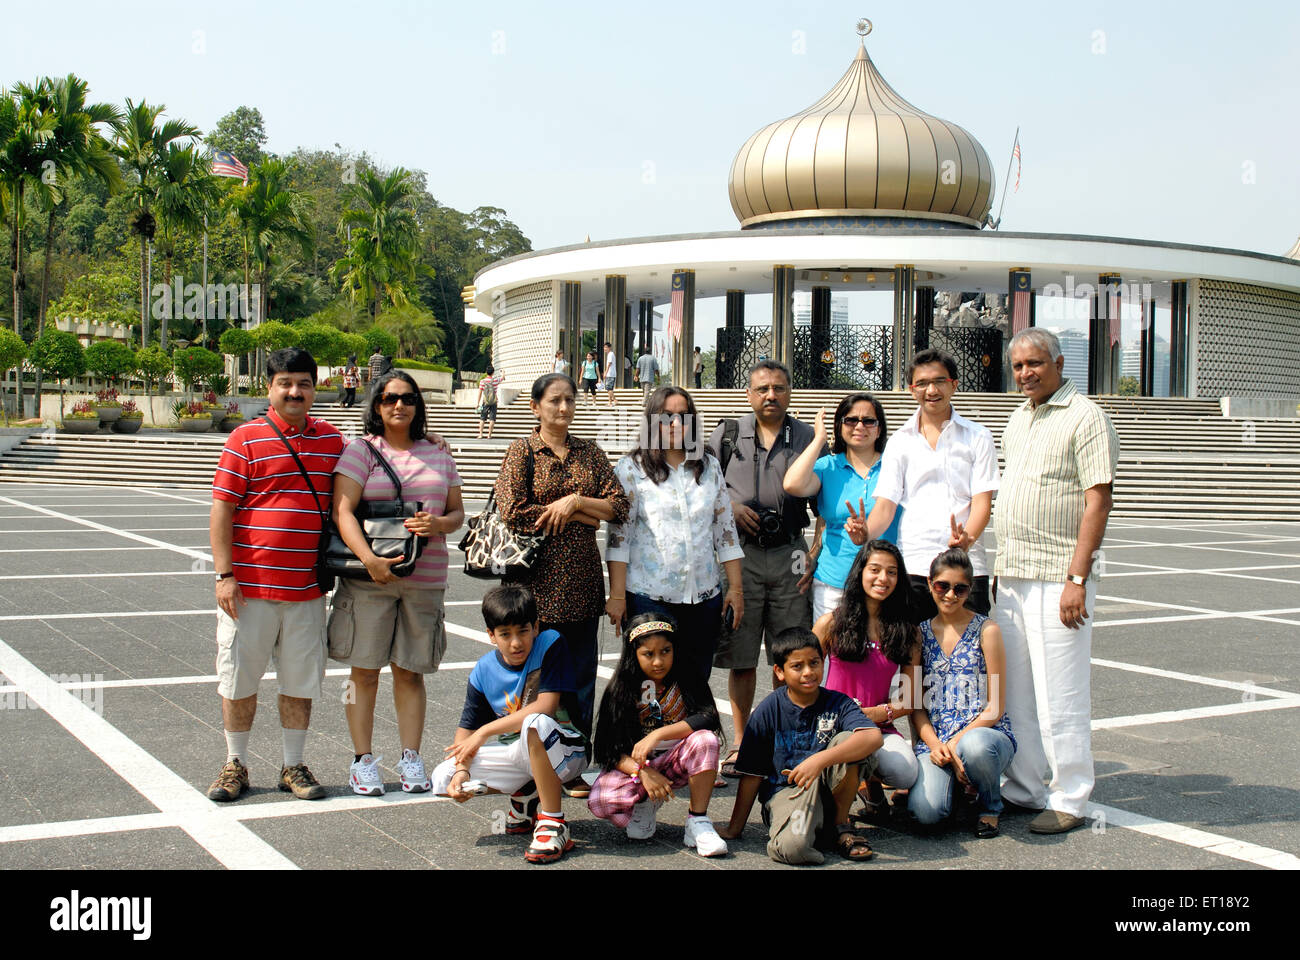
(364, 776)
(411, 768)
(550, 841)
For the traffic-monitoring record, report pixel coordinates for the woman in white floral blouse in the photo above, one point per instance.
(679, 534)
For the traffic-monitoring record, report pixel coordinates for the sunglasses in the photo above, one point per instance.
(852, 422)
(943, 587)
(391, 399)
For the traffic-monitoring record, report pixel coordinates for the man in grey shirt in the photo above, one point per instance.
(755, 454)
(647, 369)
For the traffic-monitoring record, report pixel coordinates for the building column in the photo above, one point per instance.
(1147, 350)
(572, 337)
(904, 345)
(600, 343)
(615, 328)
(732, 341)
(821, 337)
(625, 376)
(1178, 304)
(683, 348)
(783, 314)
(924, 316)
(1104, 336)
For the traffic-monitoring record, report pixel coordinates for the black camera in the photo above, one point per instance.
(771, 529)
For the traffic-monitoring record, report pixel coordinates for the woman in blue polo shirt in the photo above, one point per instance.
(844, 484)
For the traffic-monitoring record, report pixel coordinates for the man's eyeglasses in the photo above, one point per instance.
(852, 422)
(923, 385)
(943, 588)
(392, 399)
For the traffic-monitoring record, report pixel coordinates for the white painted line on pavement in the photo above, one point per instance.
(1195, 713)
(96, 576)
(1243, 686)
(1191, 837)
(112, 614)
(228, 841)
(81, 828)
(103, 528)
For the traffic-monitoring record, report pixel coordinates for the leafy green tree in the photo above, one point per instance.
(381, 262)
(270, 214)
(323, 342)
(24, 131)
(152, 363)
(142, 146)
(241, 132)
(195, 364)
(186, 192)
(415, 328)
(379, 340)
(57, 353)
(12, 353)
(98, 298)
(274, 335)
(354, 345)
(237, 342)
(110, 359)
(1128, 387)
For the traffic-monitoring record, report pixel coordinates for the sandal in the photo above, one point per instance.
(851, 845)
(984, 830)
(728, 767)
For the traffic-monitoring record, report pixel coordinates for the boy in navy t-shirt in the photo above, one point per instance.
(804, 752)
(514, 734)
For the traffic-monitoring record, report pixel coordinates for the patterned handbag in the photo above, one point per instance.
(492, 550)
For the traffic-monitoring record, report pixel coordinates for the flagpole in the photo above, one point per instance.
(998, 221)
(205, 280)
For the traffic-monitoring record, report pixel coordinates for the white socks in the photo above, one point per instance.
(294, 741)
(237, 746)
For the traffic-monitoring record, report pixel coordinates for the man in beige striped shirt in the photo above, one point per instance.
(1061, 452)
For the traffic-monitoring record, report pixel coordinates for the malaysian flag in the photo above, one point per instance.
(1020, 304)
(227, 165)
(1015, 153)
(678, 304)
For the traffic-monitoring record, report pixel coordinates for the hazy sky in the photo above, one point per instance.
(1172, 121)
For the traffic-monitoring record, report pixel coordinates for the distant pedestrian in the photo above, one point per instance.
(561, 365)
(351, 380)
(590, 373)
(611, 373)
(647, 371)
(488, 387)
(698, 367)
(376, 365)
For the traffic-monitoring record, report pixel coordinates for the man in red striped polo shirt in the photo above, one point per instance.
(265, 527)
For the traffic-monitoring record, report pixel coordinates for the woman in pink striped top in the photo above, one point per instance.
(391, 620)
(867, 639)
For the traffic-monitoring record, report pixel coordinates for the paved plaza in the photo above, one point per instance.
(112, 731)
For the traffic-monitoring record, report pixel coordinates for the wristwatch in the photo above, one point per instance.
(225, 576)
(1071, 578)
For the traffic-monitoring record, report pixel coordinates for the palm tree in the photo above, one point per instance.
(24, 129)
(141, 146)
(416, 330)
(186, 192)
(270, 214)
(75, 148)
(383, 234)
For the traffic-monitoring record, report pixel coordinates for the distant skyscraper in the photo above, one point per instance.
(1074, 347)
(803, 308)
(1131, 365)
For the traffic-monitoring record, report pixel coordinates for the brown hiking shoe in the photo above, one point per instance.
(299, 780)
(230, 783)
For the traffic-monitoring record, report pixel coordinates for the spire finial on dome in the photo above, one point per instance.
(864, 27)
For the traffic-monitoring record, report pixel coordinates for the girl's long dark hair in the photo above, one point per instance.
(850, 625)
(648, 454)
(618, 721)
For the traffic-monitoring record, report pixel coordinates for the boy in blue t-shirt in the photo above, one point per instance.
(804, 752)
(514, 734)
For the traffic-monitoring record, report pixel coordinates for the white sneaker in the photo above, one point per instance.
(411, 768)
(642, 824)
(701, 835)
(364, 776)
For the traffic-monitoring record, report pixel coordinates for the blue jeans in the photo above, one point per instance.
(698, 626)
(985, 753)
(580, 636)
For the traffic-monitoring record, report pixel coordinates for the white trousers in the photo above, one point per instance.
(1048, 695)
(825, 598)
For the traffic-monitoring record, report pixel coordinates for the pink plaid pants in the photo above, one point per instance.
(614, 793)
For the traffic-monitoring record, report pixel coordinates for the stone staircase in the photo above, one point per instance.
(1179, 458)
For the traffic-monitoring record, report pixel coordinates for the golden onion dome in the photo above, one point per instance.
(861, 151)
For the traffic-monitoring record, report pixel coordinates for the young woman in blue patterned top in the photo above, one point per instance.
(965, 735)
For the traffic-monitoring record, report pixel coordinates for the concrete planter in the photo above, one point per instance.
(327, 396)
(431, 380)
(108, 414)
(229, 423)
(194, 424)
(81, 425)
(128, 424)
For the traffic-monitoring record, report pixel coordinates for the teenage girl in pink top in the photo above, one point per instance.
(867, 639)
